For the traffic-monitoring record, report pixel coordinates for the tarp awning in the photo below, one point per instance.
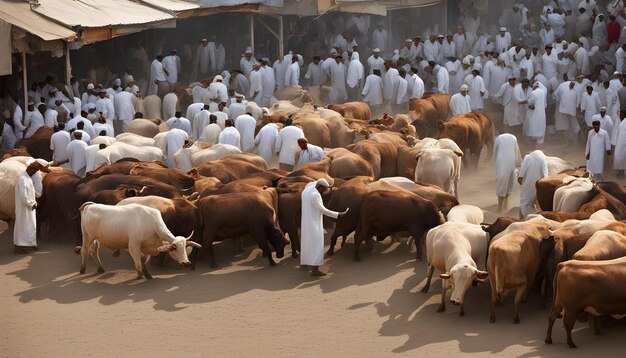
(222, 3)
(18, 13)
(378, 7)
(172, 5)
(100, 13)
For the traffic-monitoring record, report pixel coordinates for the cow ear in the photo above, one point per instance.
(165, 248)
(444, 276)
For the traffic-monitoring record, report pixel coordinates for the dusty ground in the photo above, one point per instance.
(246, 308)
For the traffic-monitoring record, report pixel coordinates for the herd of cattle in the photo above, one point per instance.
(392, 182)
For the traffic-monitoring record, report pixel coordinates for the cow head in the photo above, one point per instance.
(461, 277)
(179, 249)
(277, 239)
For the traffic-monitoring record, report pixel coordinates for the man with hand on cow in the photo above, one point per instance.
(309, 154)
(312, 228)
(28, 188)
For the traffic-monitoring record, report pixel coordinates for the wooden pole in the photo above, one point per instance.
(25, 80)
(251, 23)
(68, 65)
(281, 37)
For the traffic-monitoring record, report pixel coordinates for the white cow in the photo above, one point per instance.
(188, 158)
(440, 167)
(456, 249)
(103, 140)
(570, 197)
(143, 127)
(557, 165)
(135, 227)
(170, 101)
(152, 107)
(466, 214)
(135, 139)
(120, 150)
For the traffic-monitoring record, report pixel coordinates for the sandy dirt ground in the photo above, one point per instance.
(247, 308)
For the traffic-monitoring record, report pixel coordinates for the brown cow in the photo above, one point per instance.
(226, 169)
(499, 225)
(55, 207)
(386, 212)
(38, 145)
(174, 177)
(180, 215)
(427, 112)
(604, 200)
(123, 166)
(470, 131)
(602, 245)
(356, 110)
(382, 156)
(513, 262)
(441, 101)
(345, 164)
(613, 188)
(231, 215)
(546, 187)
(594, 287)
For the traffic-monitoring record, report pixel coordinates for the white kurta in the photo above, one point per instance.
(312, 154)
(460, 104)
(268, 85)
(33, 121)
(25, 230)
(338, 92)
(520, 95)
(287, 144)
(156, 74)
(597, 145)
(312, 228)
(266, 141)
(256, 86)
(355, 71)
(175, 139)
(590, 103)
(535, 123)
(390, 83)
(58, 145)
(373, 90)
(292, 75)
(230, 135)
(124, 106)
(90, 157)
(619, 157)
(172, 64)
(200, 121)
(509, 103)
(476, 87)
(246, 126)
(210, 134)
(76, 154)
(180, 123)
(237, 109)
(534, 167)
(507, 156)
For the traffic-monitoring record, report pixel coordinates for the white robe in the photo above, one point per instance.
(76, 153)
(266, 140)
(90, 157)
(292, 75)
(619, 157)
(246, 125)
(108, 130)
(33, 121)
(210, 134)
(124, 107)
(373, 90)
(591, 105)
(460, 104)
(175, 139)
(534, 167)
(25, 230)
(312, 228)
(287, 144)
(230, 135)
(401, 91)
(507, 157)
(476, 86)
(156, 74)
(268, 85)
(237, 109)
(355, 71)
(58, 145)
(200, 121)
(338, 92)
(376, 64)
(520, 95)
(180, 123)
(597, 145)
(535, 122)
(256, 86)
(172, 64)
(443, 79)
(8, 137)
(312, 154)
(390, 82)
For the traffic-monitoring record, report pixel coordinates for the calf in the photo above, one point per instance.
(466, 214)
(135, 227)
(455, 249)
(595, 287)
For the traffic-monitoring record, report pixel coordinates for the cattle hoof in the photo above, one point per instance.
(516, 320)
(441, 308)
(116, 253)
(100, 269)
(462, 313)
(425, 289)
(77, 250)
(148, 277)
(330, 253)
(548, 340)
(82, 270)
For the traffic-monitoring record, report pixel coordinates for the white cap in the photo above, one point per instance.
(248, 49)
(91, 105)
(130, 78)
(117, 82)
(376, 50)
(603, 109)
(464, 87)
(218, 78)
(503, 29)
(322, 182)
(90, 86)
(239, 95)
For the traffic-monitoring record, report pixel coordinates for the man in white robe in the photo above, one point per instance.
(375, 62)
(337, 71)
(76, 154)
(246, 124)
(265, 141)
(312, 227)
(218, 91)
(460, 102)
(309, 153)
(476, 91)
(589, 105)
(354, 78)
(606, 122)
(535, 122)
(520, 96)
(287, 145)
(205, 57)
(401, 95)
(314, 72)
(268, 84)
(503, 40)
(180, 122)
(211, 133)
(91, 151)
(104, 105)
(505, 96)
(598, 147)
(27, 189)
(507, 158)
(373, 90)
(379, 38)
(124, 109)
(230, 135)
(101, 127)
(565, 119)
(292, 73)
(619, 158)
(58, 145)
(534, 167)
(238, 107)
(174, 140)
(200, 121)
(247, 62)
(171, 64)
(158, 81)
(256, 87)
(34, 120)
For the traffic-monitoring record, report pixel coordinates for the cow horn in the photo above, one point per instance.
(444, 276)
(143, 189)
(194, 244)
(190, 235)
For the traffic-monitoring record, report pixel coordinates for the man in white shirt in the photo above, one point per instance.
(503, 40)
(158, 81)
(256, 81)
(379, 38)
(606, 122)
(598, 146)
(230, 135)
(34, 120)
(589, 105)
(76, 154)
(460, 102)
(287, 145)
(171, 64)
(476, 91)
(373, 90)
(309, 153)
(238, 107)
(124, 108)
(375, 62)
(211, 133)
(89, 96)
(246, 124)
(266, 141)
(567, 99)
(246, 62)
(101, 127)
(314, 72)
(180, 122)
(58, 144)
(105, 107)
(292, 74)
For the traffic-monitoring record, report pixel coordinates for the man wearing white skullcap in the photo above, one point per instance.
(312, 228)
(503, 40)
(460, 102)
(89, 96)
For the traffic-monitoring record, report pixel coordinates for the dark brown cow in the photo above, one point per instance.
(613, 188)
(594, 287)
(123, 166)
(499, 225)
(426, 112)
(561, 216)
(55, 210)
(346, 164)
(314, 171)
(386, 212)
(231, 215)
(356, 110)
(38, 145)
(470, 131)
(174, 177)
(441, 101)
(546, 187)
(604, 200)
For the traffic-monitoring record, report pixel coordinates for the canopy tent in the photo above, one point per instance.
(18, 13)
(377, 7)
(181, 8)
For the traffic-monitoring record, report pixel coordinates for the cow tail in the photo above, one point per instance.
(556, 301)
(499, 283)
